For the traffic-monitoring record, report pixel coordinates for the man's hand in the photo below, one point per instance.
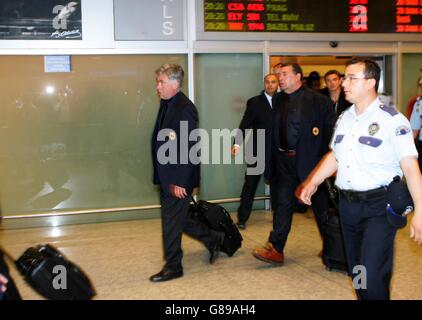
(411, 171)
(305, 191)
(3, 282)
(416, 227)
(235, 150)
(178, 192)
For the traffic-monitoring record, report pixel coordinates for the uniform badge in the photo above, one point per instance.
(172, 135)
(402, 130)
(373, 128)
(315, 131)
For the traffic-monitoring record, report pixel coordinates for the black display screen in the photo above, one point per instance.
(319, 16)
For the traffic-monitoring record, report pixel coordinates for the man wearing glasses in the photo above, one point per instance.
(372, 144)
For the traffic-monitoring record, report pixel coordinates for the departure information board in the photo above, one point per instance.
(314, 16)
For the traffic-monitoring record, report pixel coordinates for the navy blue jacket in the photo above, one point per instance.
(180, 171)
(316, 128)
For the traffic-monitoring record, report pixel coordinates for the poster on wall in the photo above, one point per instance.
(40, 20)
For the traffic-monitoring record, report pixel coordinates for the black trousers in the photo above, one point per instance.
(247, 197)
(12, 292)
(283, 187)
(175, 221)
(369, 244)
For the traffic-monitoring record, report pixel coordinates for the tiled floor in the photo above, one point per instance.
(120, 256)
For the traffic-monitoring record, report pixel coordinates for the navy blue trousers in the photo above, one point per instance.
(283, 200)
(247, 197)
(175, 221)
(369, 244)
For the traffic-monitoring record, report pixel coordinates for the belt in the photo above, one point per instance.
(356, 196)
(288, 153)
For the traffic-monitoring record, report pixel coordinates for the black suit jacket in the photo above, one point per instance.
(317, 121)
(258, 115)
(180, 171)
(343, 104)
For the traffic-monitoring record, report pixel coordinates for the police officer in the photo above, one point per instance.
(371, 145)
(416, 124)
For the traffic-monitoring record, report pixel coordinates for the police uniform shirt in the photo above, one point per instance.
(416, 117)
(368, 147)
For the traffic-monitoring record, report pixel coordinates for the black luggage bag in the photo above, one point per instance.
(53, 276)
(333, 253)
(217, 218)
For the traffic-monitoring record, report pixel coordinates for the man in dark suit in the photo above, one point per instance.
(176, 173)
(258, 115)
(335, 92)
(303, 125)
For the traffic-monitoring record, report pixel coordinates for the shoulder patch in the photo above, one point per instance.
(390, 110)
(402, 130)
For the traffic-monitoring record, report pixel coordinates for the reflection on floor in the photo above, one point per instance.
(120, 256)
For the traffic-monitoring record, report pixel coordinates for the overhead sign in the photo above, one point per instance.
(149, 20)
(333, 16)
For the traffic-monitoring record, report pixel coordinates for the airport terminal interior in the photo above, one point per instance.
(77, 110)
(119, 257)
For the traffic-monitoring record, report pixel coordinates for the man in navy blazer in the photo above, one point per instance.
(302, 128)
(258, 116)
(177, 172)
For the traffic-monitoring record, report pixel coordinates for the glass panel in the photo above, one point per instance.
(78, 140)
(411, 70)
(223, 84)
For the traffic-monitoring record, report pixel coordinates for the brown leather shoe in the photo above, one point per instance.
(269, 254)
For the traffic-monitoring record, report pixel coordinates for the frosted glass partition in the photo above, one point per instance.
(411, 70)
(78, 140)
(223, 84)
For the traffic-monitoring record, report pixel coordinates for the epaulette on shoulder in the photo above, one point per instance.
(390, 110)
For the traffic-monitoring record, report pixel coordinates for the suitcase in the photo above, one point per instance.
(52, 275)
(333, 253)
(217, 218)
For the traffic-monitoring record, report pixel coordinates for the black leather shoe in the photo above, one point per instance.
(241, 225)
(214, 253)
(165, 275)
